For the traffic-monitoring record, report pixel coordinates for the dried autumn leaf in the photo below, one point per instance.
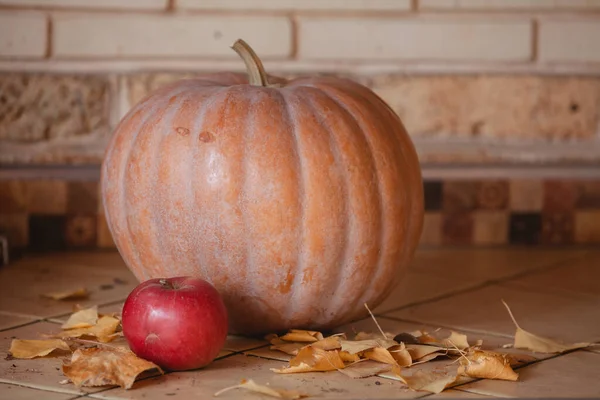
(365, 368)
(329, 343)
(99, 366)
(488, 365)
(27, 349)
(370, 336)
(80, 293)
(311, 359)
(401, 355)
(347, 357)
(431, 381)
(418, 351)
(82, 319)
(298, 335)
(379, 354)
(104, 330)
(456, 340)
(252, 386)
(529, 341)
(357, 346)
(288, 348)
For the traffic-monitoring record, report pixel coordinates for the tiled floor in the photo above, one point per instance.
(553, 293)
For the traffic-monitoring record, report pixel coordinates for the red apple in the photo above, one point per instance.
(177, 323)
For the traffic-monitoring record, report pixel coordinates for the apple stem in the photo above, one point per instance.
(165, 284)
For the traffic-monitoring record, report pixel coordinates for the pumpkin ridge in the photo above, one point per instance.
(336, 151)
(120, 208)
(163, 130)
(135, 184)
(380, 207)
(300, 261)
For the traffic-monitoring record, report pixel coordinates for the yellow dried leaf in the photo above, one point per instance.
(28, 349)
(82, 319)
(329, 343)
(401, 355)
(370, 336)
(99, 366)
(80, 293)
(488, 365)
(364, 369)
(357, 346)
(347, 357)
(428, 358)
(529, 341)
(298, 335)
(104, 330)
(254, 387)
(431, 381)
(311, 359)
(379, 354)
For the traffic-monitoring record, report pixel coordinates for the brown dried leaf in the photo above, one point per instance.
(329, 343)
(298, 335)
(80, 293)
(104, 330)
(529, 341)
(312, 359)
(99, 366)
(288, 348)
(370, 336)
(357, 346)
(431, 381)
(428, 358)
(456, 340)
(254, 387)
(418, 351)
(487, 364)
(82, 319)
(28, 349)
(365, 368)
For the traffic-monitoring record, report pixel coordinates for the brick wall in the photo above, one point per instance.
(476, 81)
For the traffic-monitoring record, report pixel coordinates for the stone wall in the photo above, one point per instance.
(475, 81)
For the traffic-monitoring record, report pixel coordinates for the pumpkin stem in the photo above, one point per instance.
(257, 75)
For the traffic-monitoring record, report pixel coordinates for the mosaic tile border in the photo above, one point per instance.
(50, 215)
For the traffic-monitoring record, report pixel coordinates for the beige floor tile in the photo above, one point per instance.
(8, 320)
(560, 316)
(484, 264)
(202, 384)
(573, 375)
(40, 373)
(582, 276)
(240, 343)
(457, 394)
(23, 283)
(14, 392)
(418, 287)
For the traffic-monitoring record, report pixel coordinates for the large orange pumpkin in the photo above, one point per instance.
(299, 200)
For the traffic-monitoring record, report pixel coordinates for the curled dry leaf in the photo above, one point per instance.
(430, 381)
(365, 368)
(381, 355)
(456, 340)
(99, 366)
(80, 293)
(28, 349)
(488, 365)
(250, 385)
(418, 351)
(82, 319)
(329, 343)
(298, 335)
(290, 348)
(401, 355)
(529, 341)
(370, 335)
(104, 330)
(347, 357)
(312, 359)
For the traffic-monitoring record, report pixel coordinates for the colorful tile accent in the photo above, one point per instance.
(55, 215)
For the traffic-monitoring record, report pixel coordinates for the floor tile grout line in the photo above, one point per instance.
(21, 325)
(43, 389)
(486, 283)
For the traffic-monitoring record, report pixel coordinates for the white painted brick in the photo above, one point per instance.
(570, 41)
(98, 4)
(415, 38)
(23, 34)
(508, 4)
(148, 35)
(339, 5)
